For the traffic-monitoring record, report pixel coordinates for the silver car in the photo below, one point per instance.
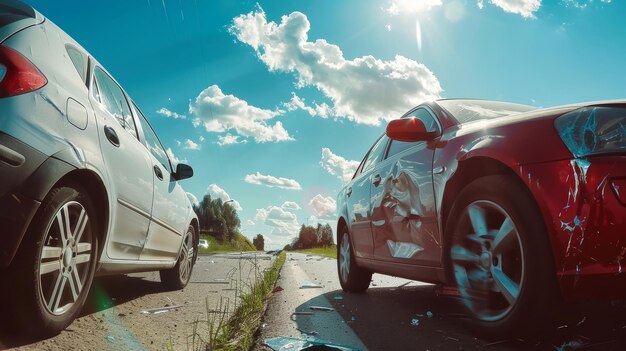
(86, 188)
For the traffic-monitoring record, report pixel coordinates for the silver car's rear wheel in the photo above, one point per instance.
(488, 260)
(344, 258)
(178, 276)
(65, 257)
(187, 254)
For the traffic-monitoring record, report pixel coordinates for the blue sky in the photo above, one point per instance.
(282, 98)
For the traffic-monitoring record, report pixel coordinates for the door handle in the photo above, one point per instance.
(157, 171)
(112, 136)
(376, 180)
(349, 191)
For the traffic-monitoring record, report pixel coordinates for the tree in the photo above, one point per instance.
(307, 237)
(259, 242)
(325, 235)
(216, 217)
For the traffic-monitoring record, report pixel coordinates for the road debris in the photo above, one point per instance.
(307, 284)
(277, 289)
(403, 284)
(294, 344)
(312, 332)
(415, 322)
(338, 297)
(320, 308)
(570, 345)
(160, 310)
(110, 338)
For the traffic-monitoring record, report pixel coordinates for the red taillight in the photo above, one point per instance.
(20, 76)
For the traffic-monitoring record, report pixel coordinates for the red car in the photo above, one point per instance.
(519, 208)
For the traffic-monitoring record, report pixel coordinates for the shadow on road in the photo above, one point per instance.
(105, 293)
(397, 319)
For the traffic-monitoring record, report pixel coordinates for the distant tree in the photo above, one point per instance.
(325, 235)
(308, 237)
(219, 219)
(259, 242)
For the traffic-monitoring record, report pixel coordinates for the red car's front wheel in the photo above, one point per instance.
(499, 257)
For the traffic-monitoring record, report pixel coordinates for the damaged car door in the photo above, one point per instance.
(404, 218)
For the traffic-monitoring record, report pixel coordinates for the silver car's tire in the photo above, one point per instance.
(55, 264)
(499, 257)
(177, 277)
(351, 277)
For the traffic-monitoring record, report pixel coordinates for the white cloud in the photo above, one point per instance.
(272, 182)
(250, 222)
(216, 192)
(397, 7)
(201, 138)
(175, 160)
(338, 166)
(284, 222)
(170, 114)
(582, 4)
(388, 27)
(190, 145)
(290, 205)
(323, 206)
(524, 8)
(219, 112)
(317, 110)
(229, 139)
(365, 89)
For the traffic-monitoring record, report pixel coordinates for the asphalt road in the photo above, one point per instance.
(382, 318)
(113, 318)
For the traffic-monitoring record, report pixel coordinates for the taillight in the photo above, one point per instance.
(17, 74)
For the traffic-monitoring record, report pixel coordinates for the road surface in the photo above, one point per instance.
(394, 315)
(113, 318)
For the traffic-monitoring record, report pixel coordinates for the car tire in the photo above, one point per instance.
(496, 240)
(54, 267)
(177, 277)
(351, 277)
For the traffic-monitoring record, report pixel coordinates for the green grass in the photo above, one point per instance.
(326, 251)
(240, 243)
(238, 331)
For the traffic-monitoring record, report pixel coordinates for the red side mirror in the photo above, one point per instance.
(408, 129)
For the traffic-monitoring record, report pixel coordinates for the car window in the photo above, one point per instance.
(152, 141)
(114, 100)
(376, 153)
(429, 122)
(79, 60)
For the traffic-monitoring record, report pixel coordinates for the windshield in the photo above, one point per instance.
(472, 110)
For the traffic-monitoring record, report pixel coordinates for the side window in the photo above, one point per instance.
(114, 100)
(376, 153)
(152, 141)
(429, 122)
(79, 60)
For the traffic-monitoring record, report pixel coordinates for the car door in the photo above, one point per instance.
(404, 219)
(358, 200)
(170, 205)
(128, 165)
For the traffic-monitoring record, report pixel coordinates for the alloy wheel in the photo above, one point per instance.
(488, 260)
(344, 258)
(186, 259)
(65, 258)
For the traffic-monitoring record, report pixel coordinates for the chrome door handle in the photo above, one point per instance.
(157, 171)
(112, 136)
(376, 180)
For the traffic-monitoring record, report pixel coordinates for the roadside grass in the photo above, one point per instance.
(326, 251)
(240, 243)
(236, 331)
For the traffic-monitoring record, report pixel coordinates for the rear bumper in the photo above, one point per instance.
(586, 220)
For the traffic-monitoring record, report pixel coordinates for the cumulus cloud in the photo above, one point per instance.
(365, 89)
(175, 160)
(272, 182)
(250, 222)
(323, 206)
(338, 166)
(190, 145)
(284, 222)
(316, 110)
(290, 205)
(230, 139)
(396, 7)
(216, 192)
(170, 114)
(219, 112)
(524, 8)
